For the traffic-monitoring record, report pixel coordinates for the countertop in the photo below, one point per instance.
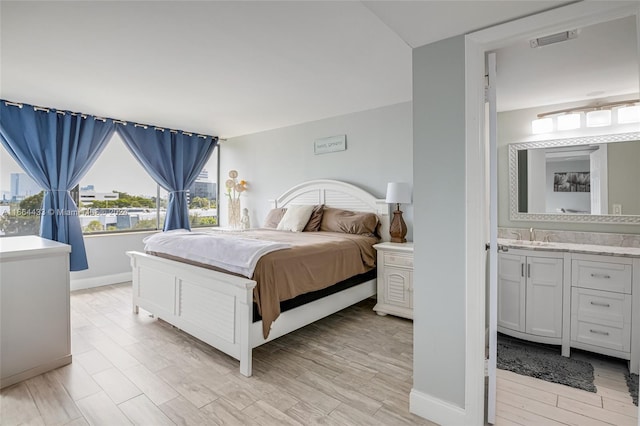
(570, 247)
(29, 245)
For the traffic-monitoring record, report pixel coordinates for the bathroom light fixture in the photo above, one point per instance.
(599, 118)
(542, 125)
(597, 115)
(569, 121)
(398, 193)
(629, 114)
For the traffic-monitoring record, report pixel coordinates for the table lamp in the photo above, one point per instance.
(398, 193)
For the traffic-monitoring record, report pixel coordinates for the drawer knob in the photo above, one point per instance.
(605, 305)
(605, 276)
(604, 333)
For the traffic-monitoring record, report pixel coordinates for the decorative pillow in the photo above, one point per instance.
(316, 218)
(295, 218)
(274, 217)
(349, 222)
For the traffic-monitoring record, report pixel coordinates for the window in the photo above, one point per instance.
(20, 199)
(203, 195)
(117, 194)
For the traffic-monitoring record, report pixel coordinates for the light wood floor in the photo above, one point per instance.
(353, 368)
(527, 401)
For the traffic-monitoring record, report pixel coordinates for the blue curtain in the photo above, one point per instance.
(173, 159)
(56, 149)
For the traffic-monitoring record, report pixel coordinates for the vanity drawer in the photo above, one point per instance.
(601, 318)
(606, 276)
(398, 259)
(618, 339)
(601, 307)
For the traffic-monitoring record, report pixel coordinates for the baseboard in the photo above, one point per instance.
(35, 371)
(84, 283)
(436, 410)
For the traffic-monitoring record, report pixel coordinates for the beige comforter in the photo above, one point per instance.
(316, 260)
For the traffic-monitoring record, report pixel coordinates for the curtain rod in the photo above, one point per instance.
(104, 119)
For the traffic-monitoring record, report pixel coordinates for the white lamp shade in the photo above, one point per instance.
(599, 118)
(629, 114)
(542, 125)
(569, 121)
(398, 193)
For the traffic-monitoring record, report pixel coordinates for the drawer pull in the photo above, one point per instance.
(604, 333)
(605, 276)
(605, 305)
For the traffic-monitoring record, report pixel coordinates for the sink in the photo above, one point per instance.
(540, 243)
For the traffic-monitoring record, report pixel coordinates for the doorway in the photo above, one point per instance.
(495, 39)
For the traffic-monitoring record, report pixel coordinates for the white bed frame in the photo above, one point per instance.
(217, 308)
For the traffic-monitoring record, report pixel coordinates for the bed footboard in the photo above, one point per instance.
(213, 306)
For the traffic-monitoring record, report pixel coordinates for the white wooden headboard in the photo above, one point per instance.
(336, 194)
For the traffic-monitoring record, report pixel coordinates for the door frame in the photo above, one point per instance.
(476, 46)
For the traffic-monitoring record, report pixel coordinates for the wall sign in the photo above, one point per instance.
(330, 144)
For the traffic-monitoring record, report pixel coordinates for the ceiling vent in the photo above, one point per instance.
(553, 38)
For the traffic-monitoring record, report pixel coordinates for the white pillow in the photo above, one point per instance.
(295, 218)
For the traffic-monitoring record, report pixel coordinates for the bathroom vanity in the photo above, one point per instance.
(574, 295)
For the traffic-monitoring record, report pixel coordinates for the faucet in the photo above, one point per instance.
(532, 234)
(517, 234)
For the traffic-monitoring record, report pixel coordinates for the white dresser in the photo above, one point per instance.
(574, 295)
(395, 279)
(34, 307)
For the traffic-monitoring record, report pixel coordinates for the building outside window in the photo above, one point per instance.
(203, 195)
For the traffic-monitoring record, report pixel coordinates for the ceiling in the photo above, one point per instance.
(602, 62)
(233, 68)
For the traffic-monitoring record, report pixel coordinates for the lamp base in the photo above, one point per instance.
(397, 228)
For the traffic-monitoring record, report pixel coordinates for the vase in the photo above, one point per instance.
(234, 213)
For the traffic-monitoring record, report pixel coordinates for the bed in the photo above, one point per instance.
(217, 307)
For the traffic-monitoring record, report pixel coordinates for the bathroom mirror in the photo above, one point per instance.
(588, 179)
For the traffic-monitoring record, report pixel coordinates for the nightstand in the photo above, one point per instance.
(395, 279)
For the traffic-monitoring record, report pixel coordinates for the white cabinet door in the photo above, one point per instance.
(511, 292)
(544, 296)
(398, 288)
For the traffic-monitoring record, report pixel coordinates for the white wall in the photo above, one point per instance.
(536, 181)
(440, 240)
(379, 150)
(515, 127)
(108, 263)
(624, 176)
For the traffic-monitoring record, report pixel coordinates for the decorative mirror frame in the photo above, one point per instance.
(515, 215)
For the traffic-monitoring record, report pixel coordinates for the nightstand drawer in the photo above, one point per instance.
(397, 259)
(601, 276)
